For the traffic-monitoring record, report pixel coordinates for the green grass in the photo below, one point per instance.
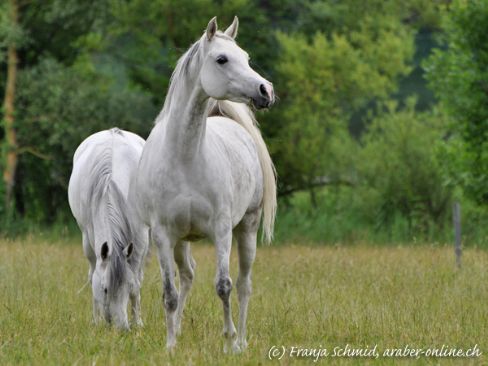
(303, 295)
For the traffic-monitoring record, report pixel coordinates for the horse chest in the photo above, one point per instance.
(190, 215)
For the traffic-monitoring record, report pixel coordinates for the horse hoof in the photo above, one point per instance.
(170, 346)
(232, 349)
(236, 349)
(243, 345)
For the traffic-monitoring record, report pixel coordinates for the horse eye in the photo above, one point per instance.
(222, 59)
(105, 290)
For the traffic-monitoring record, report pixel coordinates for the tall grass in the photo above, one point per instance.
(303, 296)
(343, 215)
(349, 215)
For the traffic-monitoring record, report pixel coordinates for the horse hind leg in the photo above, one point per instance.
(135, 296)
(185, 265)
(246, 236)
(165, 246)
(223, 285)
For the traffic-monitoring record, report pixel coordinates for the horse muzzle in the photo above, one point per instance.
(265, 96)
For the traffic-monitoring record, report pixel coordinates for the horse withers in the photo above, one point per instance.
(115, 242)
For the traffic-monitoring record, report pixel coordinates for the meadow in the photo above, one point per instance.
(307, 296)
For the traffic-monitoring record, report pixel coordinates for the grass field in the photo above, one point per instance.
(312, 297)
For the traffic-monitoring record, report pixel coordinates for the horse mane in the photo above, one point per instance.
(243, 115)
(108, 200)
(184, 68)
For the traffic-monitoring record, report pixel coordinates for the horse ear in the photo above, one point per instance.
(211, 28)
(128, 250)
(232, 30)
(104, 251)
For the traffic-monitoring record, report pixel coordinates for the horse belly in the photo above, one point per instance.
(245, 175)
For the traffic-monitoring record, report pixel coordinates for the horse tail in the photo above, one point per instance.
(241, 114)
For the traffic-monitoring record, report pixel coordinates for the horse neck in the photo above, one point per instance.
(185, 118)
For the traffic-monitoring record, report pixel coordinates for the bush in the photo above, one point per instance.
(458, 74)
(58, 107)
(400, 162)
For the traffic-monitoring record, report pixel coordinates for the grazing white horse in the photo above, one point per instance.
(208, 177)
(114, 240)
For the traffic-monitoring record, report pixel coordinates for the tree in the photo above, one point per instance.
(61, 106)
(458, 74)
(324, 79)
(400, 161)
(93, 64)
(59, 99)
(10, 144)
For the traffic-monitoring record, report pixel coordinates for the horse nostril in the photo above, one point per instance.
(263, 91)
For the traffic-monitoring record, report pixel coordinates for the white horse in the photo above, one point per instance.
(208, 177)
(114, 240)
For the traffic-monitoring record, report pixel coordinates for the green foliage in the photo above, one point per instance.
(324, 81)
(341, 217)
(60, 108)
(400, 162)
(400, 192)
(350, 215)
(9, 33)
(53, 28)
(91, 65)
(148, 37)
(458, 75)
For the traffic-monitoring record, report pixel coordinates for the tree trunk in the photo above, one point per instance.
(313, 197)
(10, 163)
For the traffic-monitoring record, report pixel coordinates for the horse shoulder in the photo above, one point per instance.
(233, 136)
(242, 159)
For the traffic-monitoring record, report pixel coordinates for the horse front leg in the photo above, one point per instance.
(165, 245)
(246, 244)
(135, 294)
(185, 265)
(135, 299)
(92, 260)
(223, 285)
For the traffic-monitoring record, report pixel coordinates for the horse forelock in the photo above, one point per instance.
(120, 233)
(220, 34)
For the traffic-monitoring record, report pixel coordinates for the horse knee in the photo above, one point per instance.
(188, 275)
(186, 280)
(224, 287)
(170, 298)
